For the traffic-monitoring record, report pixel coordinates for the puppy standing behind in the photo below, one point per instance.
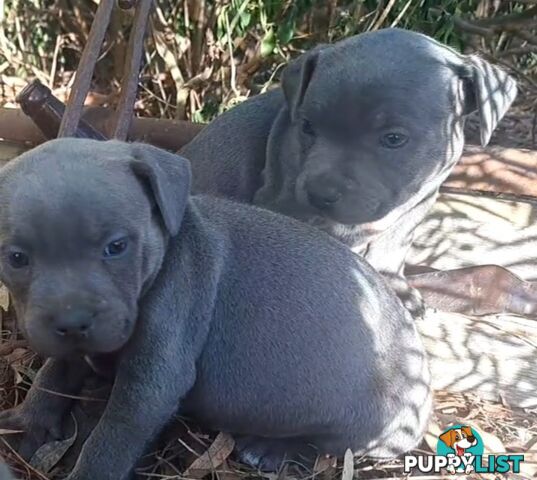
(248, 321)
(357, 140)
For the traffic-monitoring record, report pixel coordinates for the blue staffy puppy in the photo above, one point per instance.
(248, 321)
(357, 140)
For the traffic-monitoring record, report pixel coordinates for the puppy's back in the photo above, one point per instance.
(228, 155)
(298, 311)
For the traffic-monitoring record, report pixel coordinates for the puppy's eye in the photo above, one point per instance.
(115, 248)
(18, 259)
(393, 140)
(307, 127)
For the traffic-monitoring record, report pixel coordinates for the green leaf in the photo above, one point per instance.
(286, 32)
(268, 43)
(245, 19)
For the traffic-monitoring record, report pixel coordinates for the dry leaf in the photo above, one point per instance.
(529, 466)
(348, 466)
(48, 455)
(532, 444)
(492, 444)
(431, 436)
(4, 298)
(325, 466)
(215, 455)
(225, 472)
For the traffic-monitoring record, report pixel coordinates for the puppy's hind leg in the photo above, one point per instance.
(269, 454)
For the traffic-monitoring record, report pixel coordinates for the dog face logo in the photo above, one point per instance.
(463, 442)
(459, 439)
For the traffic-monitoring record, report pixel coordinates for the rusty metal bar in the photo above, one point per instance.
(46, 111)
(168, 134)
(16, 127)
(131, 72)
(85, 69)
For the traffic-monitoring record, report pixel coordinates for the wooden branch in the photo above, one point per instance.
(470, 27)
(526, 2)
(512, 23)
(517, 18)
(528, 37)
(518, 51)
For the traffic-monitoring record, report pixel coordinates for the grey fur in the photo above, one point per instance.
(5, 474)
(338, 176)
(249, 321)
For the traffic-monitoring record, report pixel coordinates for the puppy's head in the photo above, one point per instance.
(459, 438)
(378, 122)
(83, 231)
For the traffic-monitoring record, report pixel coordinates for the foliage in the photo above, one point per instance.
(205, 55)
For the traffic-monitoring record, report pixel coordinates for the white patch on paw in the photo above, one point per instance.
(250, 458)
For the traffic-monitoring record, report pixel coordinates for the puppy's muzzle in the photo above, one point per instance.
(73, 323)
(322, 193)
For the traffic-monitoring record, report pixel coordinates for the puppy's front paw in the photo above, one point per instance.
(410, 297)
(413, 302)
(257, 453)
(37, 426)
(268, 455)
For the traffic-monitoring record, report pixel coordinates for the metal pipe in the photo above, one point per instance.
(84, 73)
(131, 71)
(16, 127)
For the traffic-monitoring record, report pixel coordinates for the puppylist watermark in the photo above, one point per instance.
(460, 449)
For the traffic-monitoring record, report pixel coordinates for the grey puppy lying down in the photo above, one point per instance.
(357, 140)
(248, 321)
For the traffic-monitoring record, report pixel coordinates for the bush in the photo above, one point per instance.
(205, 55)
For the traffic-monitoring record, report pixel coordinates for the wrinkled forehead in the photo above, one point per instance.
(383, 100)
(415, 79)
(49, 200)
(411, 55)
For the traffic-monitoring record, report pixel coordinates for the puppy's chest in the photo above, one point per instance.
(103, 365)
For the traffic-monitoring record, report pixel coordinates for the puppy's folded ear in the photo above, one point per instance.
(448, 438)
(296, 78)
(168, 176)
(490, 91)
(468, 431)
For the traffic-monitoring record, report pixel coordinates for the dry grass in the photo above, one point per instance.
(205, 56)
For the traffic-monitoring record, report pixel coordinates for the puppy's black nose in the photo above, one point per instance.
(74, 322)
(322, 195)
